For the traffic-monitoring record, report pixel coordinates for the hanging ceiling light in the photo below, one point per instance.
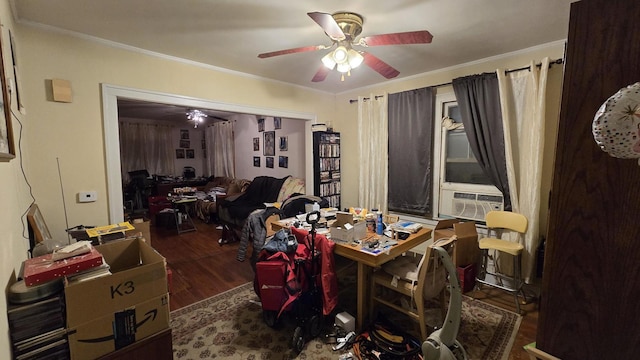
(343, 59)
(196, 116)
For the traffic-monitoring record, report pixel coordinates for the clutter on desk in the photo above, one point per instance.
(185, 190)
(358, 213)
(328, 213)
(407, 226)
(347, 228)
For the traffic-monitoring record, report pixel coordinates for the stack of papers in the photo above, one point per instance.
(406, 226)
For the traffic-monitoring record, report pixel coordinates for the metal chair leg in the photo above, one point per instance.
(517, 284)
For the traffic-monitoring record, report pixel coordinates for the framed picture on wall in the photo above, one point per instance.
(261, 125)
(269, 161)
(283, 161)
(191, 154)
(256, 161)
(184, 134)
(269, 143)
(277, 123)
(284, 143)
(185, 144)
(256, 144)
(179, 153)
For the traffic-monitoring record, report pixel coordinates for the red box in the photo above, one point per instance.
(467, 277)
(41, 269)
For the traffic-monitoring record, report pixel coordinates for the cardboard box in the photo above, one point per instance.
(118, 329)
(466, 250)
(142, 227)
(344, 228)
(138, 274)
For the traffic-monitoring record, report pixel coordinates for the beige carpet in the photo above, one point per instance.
(230, 326)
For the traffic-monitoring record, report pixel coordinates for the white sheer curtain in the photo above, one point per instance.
(522, 98)
(220, 149)
(145, 146)
(373, 139)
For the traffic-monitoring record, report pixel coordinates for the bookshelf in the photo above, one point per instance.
(326, 166)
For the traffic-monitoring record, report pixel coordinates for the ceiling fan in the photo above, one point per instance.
(343, 28)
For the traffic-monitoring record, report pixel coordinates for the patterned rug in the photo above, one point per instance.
(231, 326)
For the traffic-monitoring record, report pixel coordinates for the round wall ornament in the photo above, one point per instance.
(616, 125)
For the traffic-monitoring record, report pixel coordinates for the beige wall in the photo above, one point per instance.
(14, 197)
(72, 133)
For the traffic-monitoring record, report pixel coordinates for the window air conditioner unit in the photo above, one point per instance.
(473, 206)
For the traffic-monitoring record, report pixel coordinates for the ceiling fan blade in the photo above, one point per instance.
(380, 66)
(322, 73)
(292, 51)
(411, 37)
(328, 24)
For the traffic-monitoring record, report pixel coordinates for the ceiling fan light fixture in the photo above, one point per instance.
(343, 67)
(340, 54)
(196, 116)
(328, 61)
(355, 59)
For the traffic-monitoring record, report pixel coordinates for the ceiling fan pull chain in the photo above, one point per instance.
(342, 78)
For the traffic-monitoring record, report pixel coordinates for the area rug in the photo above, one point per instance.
(231, 326)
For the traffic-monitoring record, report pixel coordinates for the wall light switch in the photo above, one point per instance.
(87, 196)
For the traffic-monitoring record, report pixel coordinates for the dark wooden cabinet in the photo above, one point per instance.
(326, 166)
(591, 278)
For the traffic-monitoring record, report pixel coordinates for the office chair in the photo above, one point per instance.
(498, 221)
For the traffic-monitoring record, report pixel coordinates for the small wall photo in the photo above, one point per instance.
(270, 143)
(283, 161)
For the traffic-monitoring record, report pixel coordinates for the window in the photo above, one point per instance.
(461, 188)
(460, 165)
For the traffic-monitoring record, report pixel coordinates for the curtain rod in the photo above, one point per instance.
(351, 101)
(554, 62)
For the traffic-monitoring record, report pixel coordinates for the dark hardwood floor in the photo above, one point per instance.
(202, 268)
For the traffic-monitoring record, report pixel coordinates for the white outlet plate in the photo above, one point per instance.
(87, 196)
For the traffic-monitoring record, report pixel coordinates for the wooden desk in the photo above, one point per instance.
(367, 261)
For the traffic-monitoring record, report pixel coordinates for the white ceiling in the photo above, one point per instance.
(229, 34)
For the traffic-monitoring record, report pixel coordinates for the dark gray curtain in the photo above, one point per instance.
(411, 151)
(479, 101)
